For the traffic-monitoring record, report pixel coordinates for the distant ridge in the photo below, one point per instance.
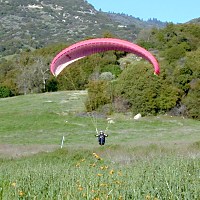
(31, 24)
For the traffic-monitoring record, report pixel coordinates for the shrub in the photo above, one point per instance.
(192, 100)
(5, 92)
(148, 94)
(98, 94)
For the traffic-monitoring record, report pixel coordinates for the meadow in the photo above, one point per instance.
(156, 157)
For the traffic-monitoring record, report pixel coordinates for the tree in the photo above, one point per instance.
(192, 100)
(98, 95)
(147, 94)
(33, 75)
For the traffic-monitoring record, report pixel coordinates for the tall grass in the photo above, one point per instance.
(67, 174)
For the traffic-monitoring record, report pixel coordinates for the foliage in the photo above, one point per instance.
(193, 62)
(78, 74)
(178, 47)
(175, 52)
(175, 46)
(107, 76)
(98, 94)
(52, 85)
(192, 100)
(182, 78)
(147, 94)
(5, 92)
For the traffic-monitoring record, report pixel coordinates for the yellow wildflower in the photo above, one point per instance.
(104, 167)
(119, 173)
(148, 197)
(21, 193)
(99, 174)
(13, 184)
(96, 156)
(111, 172)
(82, 160)
(80, 188)
(84, 195)
(93, 165)
(78, 165)
(103, 185)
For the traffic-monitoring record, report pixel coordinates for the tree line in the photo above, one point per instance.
(117, 81)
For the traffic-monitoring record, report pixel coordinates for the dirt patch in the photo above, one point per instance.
(13, 151)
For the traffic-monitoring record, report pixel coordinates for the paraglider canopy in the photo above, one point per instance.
(87, 47)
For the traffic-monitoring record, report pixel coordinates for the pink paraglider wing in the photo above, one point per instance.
(88, 47)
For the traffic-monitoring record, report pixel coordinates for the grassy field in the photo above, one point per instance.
(151, 158)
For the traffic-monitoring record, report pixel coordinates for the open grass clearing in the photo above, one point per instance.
(43, 119)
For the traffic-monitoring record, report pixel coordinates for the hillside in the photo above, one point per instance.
(33, 24)
(45, 118)
(195, 21)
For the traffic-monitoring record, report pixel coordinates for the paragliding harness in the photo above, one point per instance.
(101, 137)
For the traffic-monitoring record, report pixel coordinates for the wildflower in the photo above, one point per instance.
(82, 160)
(13, 184)
(96, 198)
(119, 173)
(21, 193)
(111, 172)
(93, 165)
(103, 185)
(84, 195)
(78, 165)
(99, 174)
(96, 156)
(120, 198)
(80, 188)
(104, 167)
(148, 197)
(118, 182)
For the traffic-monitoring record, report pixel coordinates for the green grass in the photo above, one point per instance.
(151, 158)
(78, 174)
(45, 118)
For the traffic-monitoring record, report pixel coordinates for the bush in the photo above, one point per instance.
(192, 100)
(52, 85)
(5, 92)
(98, 95)
(146, 93)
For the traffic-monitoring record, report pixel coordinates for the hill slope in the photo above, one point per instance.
(45, 118)
(35, 23)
